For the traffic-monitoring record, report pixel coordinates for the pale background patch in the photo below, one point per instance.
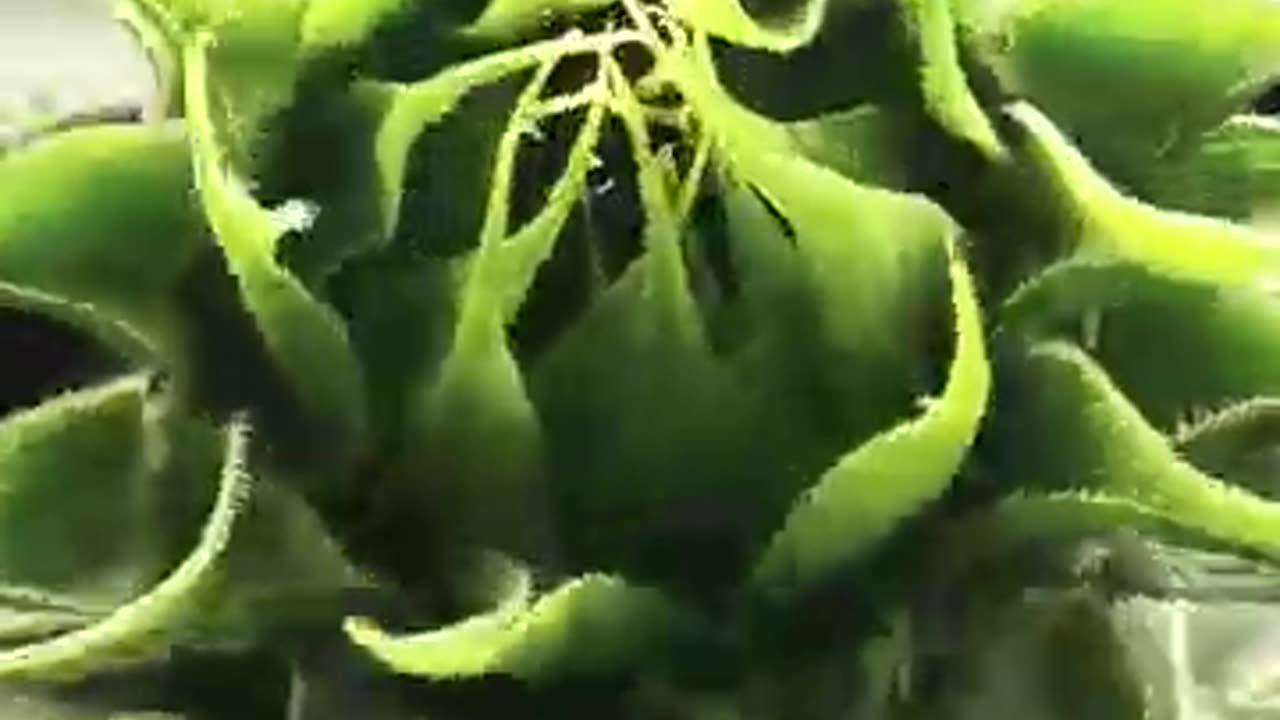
(61, 57)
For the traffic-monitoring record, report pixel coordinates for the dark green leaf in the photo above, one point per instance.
(863, 144)
(1218, 346)
(75, 471)
(81, 211)
(144, 624)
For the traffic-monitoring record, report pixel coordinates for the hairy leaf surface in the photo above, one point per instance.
(305, 337)
(81, 212)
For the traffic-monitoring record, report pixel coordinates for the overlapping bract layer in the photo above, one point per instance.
(775, 435)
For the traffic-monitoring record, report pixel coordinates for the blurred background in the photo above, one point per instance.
(64, 57)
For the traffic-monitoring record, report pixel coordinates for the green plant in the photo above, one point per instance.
(669, 359)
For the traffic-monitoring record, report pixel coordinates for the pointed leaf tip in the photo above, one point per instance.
(872, 489)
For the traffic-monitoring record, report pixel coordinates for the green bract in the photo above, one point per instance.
(569, 342)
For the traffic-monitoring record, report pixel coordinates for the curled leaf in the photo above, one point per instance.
(72, 472)
(327, 156)
(945, 89)
(253, 61)
(870, 490)
(595, 623)
(1103, 222)
(343, 24)
(1085, 434)
(466, 647)
(1218, 343)
(305, 337)
(1065, 516)
(139, 626)
(782, 30)
(1238, 443)
(281, 570)
(80, 208)
(1072, 289)
(1080, 60)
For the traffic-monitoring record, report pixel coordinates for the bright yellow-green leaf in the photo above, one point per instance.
(1102, 222)
(305, 337)
(330, 24)
(1070, 290)
(1083, 433)
(737, 131)
(781, 30)
(281, 569)
(844, 358)
(590, 624)
(945, 89)
(254, 60)
(415, 107)
(506, 18)
(893, 475)
(1217, 343)
(463, 648)
(835, 222)
(97, 224)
